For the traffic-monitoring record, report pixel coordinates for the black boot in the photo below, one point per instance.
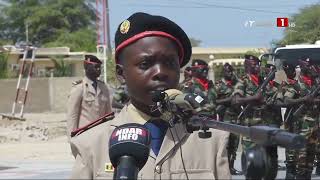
(291, 172)
(304, 176)
(233, 171)
(281, 168)
(318, 168)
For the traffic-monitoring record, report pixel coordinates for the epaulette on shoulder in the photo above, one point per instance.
(77, 82)
(100, 120)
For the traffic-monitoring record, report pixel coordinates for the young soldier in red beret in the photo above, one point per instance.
(150, 50)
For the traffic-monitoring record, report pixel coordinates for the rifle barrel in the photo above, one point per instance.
(264, 135)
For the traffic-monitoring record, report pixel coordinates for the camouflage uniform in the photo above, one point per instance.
(121, 95)
(317, 157)
(308, 122)
(261, 115)
(199, 87)
(291, 90)
(229, 114)
(184, 84)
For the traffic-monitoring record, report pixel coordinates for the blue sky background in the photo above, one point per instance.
(217, 23)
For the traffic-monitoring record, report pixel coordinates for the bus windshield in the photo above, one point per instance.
(293, 55)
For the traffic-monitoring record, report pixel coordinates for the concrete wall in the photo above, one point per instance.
(45, 94)
(59, 89)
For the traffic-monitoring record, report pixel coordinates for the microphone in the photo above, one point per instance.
(129, 148)
(174, 102)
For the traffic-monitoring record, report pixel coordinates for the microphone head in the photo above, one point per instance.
(130, 140)
(173, 92)
(186, 100)
(158, 96)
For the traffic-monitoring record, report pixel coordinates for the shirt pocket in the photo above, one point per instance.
(89, 100)
(104, 175)
(104, 98)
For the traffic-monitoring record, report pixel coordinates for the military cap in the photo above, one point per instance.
(199, 63)
(188, 68)
(140, 25)
(91, 59)
(249, 57)
(228, 66)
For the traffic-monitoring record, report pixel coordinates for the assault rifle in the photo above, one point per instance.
(262, 87)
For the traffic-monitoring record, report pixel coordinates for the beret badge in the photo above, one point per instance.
(125, 26)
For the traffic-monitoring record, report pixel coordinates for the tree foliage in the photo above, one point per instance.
(83, 39)
(49, 22)
(307, 27)
(61, 67)
(111, 72)
(3, 65)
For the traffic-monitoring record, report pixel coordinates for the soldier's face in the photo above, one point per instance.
(253, 67)
(268, 69)
(149, 64)
(227, 73)
(93, 70)
(290, 72)
(187, 74)
(201, 72)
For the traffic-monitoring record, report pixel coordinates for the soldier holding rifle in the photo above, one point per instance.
(228, 113)
(260, 98)
(302, 117)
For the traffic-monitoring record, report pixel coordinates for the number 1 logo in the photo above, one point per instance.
(282, 22)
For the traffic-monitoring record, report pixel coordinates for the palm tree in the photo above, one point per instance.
(4, 65)
(61, 68)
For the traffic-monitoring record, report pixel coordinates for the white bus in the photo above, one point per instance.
(291, 54)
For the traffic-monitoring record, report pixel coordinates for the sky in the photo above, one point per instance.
(217, 23)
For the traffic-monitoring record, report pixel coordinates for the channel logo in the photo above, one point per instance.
(284, 22)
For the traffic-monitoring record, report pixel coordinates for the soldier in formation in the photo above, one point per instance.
(187, 77)
(228, 113)
(260, 96)
(302, 118)
(120, 98)
(200, 84)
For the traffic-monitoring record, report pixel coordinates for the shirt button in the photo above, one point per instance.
(158, 169)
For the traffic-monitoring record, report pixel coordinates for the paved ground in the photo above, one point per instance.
(36, 169)
(58, 167)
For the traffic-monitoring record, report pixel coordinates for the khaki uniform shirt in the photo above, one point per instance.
(203, 158)
(85, 104)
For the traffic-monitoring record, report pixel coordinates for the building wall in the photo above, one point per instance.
(36, 100)
(78, 69)
(41, 66)
(45, 94)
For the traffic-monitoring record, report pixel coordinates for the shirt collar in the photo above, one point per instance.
(203, 82)
(227, 82)
(87, 80)
(254, 79)
(140, 117)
